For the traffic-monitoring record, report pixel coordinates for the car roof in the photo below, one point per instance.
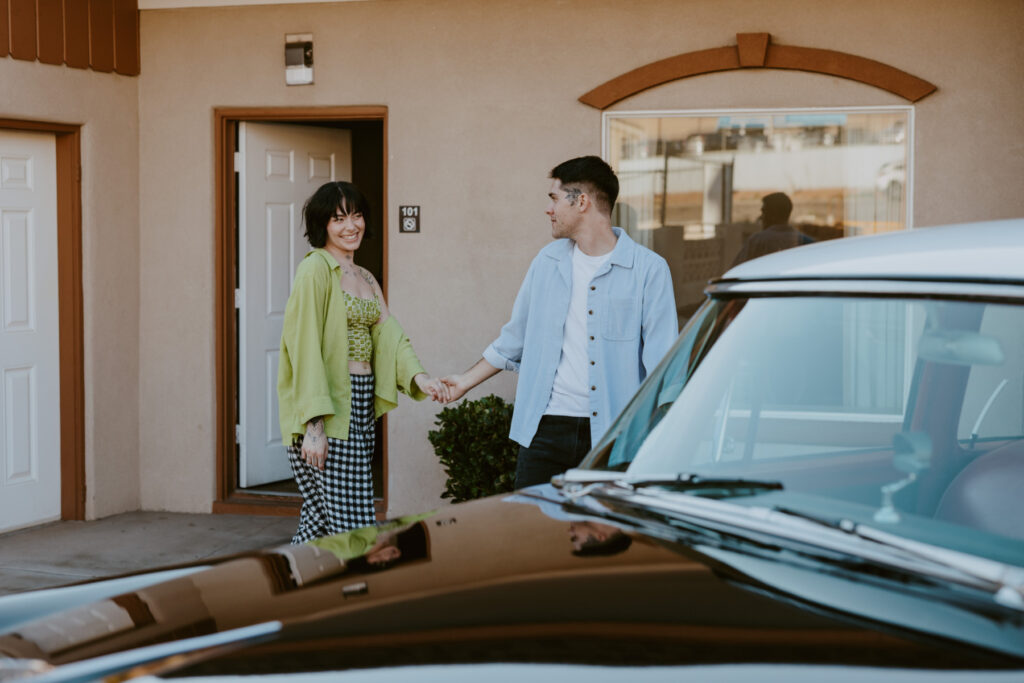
(984, 251)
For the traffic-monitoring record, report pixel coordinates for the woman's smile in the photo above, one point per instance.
(345, 230)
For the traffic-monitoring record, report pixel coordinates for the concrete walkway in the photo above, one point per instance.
(67, 552)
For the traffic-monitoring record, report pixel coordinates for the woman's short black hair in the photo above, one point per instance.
(326, 202)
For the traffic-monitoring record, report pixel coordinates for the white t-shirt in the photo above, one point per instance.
(570, 394)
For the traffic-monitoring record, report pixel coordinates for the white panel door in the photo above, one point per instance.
(29, 334)
(280, 166)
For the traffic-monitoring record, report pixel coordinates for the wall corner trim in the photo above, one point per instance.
(755, 50)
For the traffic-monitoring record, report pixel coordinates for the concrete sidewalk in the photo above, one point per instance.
(66, 552)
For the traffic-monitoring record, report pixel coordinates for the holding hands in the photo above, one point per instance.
(456, 386)
(442, 389)
(435, 388)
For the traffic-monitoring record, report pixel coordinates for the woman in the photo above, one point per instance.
(343, 361)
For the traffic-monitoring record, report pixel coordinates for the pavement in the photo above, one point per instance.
(68, 552)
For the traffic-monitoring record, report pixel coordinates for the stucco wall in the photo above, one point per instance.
(482, 103)
(107, 107)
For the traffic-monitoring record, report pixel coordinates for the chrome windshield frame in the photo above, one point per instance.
(869, 287)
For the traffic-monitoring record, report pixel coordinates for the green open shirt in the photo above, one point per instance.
(313, 377)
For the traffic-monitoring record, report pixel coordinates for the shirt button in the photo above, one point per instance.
(591, 337)
(592, 288)
(590, 312)
(593, 388)
(595, 413)
(591, 362)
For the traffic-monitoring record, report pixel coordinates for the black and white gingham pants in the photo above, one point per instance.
(340, 497)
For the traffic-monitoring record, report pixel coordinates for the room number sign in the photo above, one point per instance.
(410, 216)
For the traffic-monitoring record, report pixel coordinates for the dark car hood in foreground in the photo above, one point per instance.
(496, 581)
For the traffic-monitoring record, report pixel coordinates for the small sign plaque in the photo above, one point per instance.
(410, 217)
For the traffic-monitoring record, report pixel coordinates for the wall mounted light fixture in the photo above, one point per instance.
(298, 58)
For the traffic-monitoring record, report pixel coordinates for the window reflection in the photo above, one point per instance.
(692, 185)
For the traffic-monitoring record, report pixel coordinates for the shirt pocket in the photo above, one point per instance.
(622, 322)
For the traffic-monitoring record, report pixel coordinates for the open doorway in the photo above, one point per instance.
(269, 161)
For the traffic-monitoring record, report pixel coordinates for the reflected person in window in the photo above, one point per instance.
(776, 233)
(343, 360)
(594, 315)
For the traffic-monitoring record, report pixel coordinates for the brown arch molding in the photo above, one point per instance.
(755, 50)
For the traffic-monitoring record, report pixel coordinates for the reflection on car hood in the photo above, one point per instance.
(492, 580)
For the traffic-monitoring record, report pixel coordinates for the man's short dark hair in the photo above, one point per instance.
(594, 176)
(776, 208)
(325, 202)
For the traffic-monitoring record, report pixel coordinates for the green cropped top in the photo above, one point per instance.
(362, 314)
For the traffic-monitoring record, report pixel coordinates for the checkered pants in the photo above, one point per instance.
(340, 497)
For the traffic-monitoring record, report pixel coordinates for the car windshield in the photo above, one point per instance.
(903, 414)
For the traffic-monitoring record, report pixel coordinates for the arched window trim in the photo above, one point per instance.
(755, 50)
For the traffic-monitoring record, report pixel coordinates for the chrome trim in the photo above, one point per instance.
(868, 287)
(1004, 582)
(115, 664)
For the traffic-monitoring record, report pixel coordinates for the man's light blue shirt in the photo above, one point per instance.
(631, 323)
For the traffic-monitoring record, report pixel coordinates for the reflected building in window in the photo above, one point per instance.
(692, 184)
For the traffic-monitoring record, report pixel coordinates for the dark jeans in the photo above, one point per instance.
(559, 444)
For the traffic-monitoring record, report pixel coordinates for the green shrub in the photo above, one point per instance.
(473, 446)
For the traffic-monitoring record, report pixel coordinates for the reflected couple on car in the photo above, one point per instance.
(368, 549)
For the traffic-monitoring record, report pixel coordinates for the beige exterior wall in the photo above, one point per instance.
(106, 105)
(482, 100)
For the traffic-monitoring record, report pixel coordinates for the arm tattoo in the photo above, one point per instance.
(572, 194)
(315, 430)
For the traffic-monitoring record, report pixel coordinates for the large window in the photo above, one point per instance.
(692, 183)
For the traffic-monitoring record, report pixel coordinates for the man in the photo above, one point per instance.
(594, 315)
(776, 234)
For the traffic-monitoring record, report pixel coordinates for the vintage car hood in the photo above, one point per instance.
(494, 580)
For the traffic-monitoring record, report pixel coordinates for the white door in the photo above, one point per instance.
(280, 166)
(29, 343)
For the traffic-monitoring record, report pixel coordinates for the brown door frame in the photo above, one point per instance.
(230, 499)
(69, 292)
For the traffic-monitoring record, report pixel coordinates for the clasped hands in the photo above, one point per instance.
(441, 389)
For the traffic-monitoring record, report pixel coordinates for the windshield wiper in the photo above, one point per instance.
(1005, 582)
(686, 483)
(576, 480)
(693, 482)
